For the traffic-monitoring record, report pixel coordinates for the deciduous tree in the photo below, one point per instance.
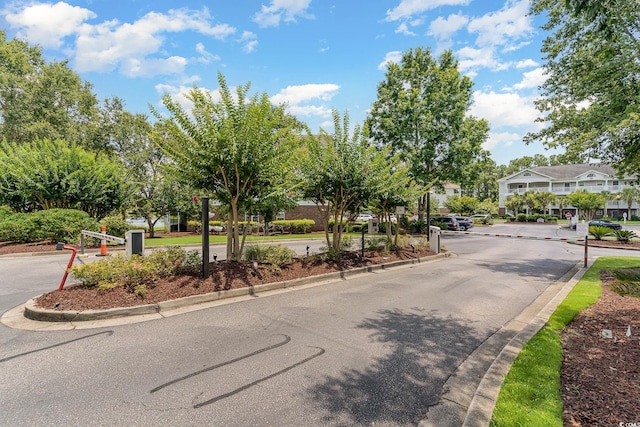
(236, 148)
(421, 113)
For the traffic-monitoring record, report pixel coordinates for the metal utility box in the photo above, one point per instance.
(434, 239)
(373, 226)
(135, 242)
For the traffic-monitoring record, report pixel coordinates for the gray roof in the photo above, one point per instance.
(573, 171)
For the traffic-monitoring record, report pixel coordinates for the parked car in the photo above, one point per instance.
(364, 217)
(601, 223)
(482, 218)
(451, 222)
(465, 223)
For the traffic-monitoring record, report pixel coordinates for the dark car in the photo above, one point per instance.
(465, 223)
(601, 223)
(451, 222)
(605, 223)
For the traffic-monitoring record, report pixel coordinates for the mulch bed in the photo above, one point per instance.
(223, 276)
(601, 376)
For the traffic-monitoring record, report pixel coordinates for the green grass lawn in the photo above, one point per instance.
(530, 394)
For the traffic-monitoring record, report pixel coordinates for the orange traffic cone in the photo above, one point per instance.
(103, 242)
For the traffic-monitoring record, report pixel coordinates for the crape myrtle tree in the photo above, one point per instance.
(421, 113)
(587, 203)
(340, 172)
(55, 174)
(591, 98)
(235, 149)
(398, 189)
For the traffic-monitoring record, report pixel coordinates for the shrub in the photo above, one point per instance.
(521, 217)
(56, 225)
(136, 271)
(276, 255)
(599, 232)
(627, 281)
(380, 243)
(63, 225)
(295, 226)
(624, 235)
(116, 226)
(635, 217)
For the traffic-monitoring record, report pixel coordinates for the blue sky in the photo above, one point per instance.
(314, 55)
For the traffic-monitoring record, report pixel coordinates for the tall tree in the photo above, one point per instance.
(629, 195)
(235, 148)
(591, 98)
(421, 112)
(41, 100)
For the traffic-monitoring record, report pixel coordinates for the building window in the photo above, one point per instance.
(567, 186)
(526, 174)
(615, 183)
(590, 175)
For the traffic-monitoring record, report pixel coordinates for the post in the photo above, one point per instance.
(363, 242)
(586, 250)
(205, 237)
(428, 215)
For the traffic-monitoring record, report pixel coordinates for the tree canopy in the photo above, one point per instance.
(54, 174)
(236, 148)
(591, 98)
(421, 113)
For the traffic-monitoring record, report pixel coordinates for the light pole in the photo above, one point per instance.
(428, 216)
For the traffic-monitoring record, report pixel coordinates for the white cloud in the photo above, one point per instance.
(504, 139)
(503, 27)
(307, 100)
(206, 57)
(250, 41)
(444, 28)
(105, 46)
(287, 10)
(294, 95)
(47, 24)
(133, 67)
(470, 58)
(527, 63)
(407, 8)
(504, 109)
(394, 56)
(404, 29)
(531, 79)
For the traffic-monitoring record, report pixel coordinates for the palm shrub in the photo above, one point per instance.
(599, 232)
(624, 235)
(627, 281)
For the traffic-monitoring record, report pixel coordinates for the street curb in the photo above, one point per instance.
(460, 405)
(48, 315)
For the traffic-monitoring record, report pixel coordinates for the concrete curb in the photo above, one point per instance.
(460, 404)
(48, 315)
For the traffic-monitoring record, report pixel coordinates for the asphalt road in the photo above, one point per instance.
(372, 350)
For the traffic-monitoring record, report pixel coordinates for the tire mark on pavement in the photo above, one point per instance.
(55, 345)
(245, 387)
(219, 365)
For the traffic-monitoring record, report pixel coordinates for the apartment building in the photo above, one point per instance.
(565, 179)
